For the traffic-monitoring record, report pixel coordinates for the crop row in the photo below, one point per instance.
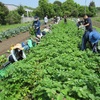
(56, 69)
(12, 32)
(3, 59)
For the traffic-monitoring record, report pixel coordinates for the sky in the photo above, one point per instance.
(34, 3)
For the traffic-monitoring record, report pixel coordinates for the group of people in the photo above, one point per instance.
(56, 19)
(90, 35)
(18, 50)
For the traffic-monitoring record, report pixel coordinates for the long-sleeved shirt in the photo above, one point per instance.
(15, 55)
(36, 24)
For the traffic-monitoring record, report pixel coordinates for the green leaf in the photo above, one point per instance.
(60, 97)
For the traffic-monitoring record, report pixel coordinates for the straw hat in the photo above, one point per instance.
(18, 46)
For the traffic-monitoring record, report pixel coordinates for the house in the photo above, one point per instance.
(12, 7)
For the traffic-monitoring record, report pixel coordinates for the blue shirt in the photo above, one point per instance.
(36, 24)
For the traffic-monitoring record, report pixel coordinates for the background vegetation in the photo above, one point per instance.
(6, 27)
(69, 8)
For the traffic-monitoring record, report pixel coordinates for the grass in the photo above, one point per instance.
(6, 27)
(98, 29)
(96, 19)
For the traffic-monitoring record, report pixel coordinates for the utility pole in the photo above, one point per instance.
(85, 6)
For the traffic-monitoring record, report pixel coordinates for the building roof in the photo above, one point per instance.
(12, 7)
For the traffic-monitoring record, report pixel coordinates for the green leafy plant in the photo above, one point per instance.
(3, 59)
(56, 69)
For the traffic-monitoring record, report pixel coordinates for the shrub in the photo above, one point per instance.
(3, 13)
(13, 17)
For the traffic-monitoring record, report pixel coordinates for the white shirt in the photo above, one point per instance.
(15, 57)
(45, 19)
(78, 20)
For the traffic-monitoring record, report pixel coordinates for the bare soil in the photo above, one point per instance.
(6, 44)
(95, 23)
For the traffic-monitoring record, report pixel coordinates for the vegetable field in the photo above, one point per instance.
(8, 27)
(56, 69)
(13, 30)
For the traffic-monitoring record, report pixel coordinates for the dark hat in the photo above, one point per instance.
(35, 17)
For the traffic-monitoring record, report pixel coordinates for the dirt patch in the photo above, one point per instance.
(6, 44)
(95, 23)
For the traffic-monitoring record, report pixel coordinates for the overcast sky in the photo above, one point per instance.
(34, 3)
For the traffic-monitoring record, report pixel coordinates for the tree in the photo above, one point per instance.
(37, 12)
(3, 13)
(51, 12)
(20, 10)
(13, 17)
(92, 4)
(57, 9)
(43, 4)
(69, 5)
(75, 13)
(67, 13)
(81, 11)
(58, 3)
(92, 8)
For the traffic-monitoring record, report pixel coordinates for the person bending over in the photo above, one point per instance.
(94, 38)
(17, 54)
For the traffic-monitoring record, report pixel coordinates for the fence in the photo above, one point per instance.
(27, 19)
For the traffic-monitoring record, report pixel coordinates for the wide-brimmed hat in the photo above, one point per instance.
(18, 46)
